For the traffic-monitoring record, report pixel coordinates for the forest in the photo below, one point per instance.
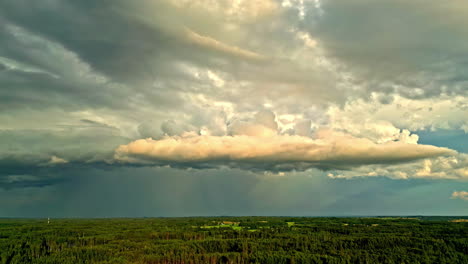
(276, 240)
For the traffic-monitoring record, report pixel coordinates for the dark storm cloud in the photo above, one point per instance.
(48, 156)
(27, 181)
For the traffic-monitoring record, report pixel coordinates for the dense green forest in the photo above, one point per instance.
(235, 240)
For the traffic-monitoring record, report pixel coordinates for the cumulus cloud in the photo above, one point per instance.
(463, 195)
(453, 167)
(266, 151)
(263, 124)
(380, 120)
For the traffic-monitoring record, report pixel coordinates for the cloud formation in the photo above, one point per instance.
(80, 78)
(260, 150)
(460, 195)
(453, 167)
(237, 11)
(417, 55)
(214, 44)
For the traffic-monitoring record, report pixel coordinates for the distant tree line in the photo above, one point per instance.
(265, 240)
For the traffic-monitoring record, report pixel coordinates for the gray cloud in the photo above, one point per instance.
(410, 47)
(80, 78)
(45, 156)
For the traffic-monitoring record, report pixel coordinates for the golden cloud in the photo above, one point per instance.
(327, 150)
(219, 46)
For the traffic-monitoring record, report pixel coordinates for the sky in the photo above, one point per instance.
(116, 108)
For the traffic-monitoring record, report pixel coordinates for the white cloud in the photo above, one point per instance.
(18, 66)
(305, 37)
(463, 195)
(260, 150)
(381, 120)
(54, 160)
(453, 167)
(217, 45)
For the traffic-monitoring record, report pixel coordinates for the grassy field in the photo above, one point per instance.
(235, 240)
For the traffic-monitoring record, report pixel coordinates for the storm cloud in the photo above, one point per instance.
(262, 88)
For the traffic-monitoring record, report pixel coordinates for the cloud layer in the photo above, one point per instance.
(269, 151)
(261, 85)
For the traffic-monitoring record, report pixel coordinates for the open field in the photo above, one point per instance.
(235, 240)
